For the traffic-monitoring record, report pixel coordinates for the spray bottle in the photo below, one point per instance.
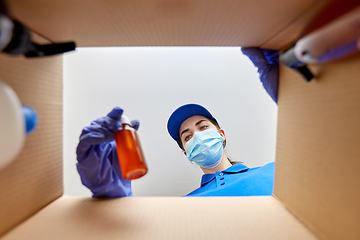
(130, 154)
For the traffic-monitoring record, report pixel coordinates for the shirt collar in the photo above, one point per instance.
(236, 168)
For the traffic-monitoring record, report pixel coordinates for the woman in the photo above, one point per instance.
(196, 132)
(199, 135)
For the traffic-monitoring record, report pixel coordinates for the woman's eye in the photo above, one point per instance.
(187, 138)
(203, 127)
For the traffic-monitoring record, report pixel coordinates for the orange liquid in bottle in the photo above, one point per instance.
(131, 157)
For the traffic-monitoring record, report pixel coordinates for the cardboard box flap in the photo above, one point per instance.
(318, 147)
(163, 218)
(168, 22)
(34, 178)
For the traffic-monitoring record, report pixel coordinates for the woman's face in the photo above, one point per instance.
(193, 124)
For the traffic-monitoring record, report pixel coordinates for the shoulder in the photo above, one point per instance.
(266, 166)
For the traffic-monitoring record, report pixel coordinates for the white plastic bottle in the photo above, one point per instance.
(15, 122)
(12, 127)
(338, 38)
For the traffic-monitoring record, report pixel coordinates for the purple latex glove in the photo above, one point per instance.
(98, 163)
(267, 62)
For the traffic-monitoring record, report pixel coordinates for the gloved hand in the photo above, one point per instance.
(267, 62)
(98, 163)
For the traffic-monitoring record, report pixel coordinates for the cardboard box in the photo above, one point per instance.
(317, 186)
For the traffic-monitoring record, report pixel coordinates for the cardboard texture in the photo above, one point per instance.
(317, 155)
(168, 22)
(317, 144)
(34, 178)
(163, 218)
(291, 32)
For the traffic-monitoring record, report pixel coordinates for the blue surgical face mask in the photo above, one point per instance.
(205, 148)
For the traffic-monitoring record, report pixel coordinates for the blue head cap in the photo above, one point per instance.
(181, 114)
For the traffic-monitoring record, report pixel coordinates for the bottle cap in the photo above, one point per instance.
(30, 117)
(125, 120)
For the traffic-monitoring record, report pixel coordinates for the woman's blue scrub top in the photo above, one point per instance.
(238, 180)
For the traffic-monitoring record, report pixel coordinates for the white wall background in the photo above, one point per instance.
(149, 83)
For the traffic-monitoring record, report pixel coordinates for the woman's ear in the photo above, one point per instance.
(222, 133)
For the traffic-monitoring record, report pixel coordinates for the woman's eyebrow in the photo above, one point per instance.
(199, 122)
(184, 132)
